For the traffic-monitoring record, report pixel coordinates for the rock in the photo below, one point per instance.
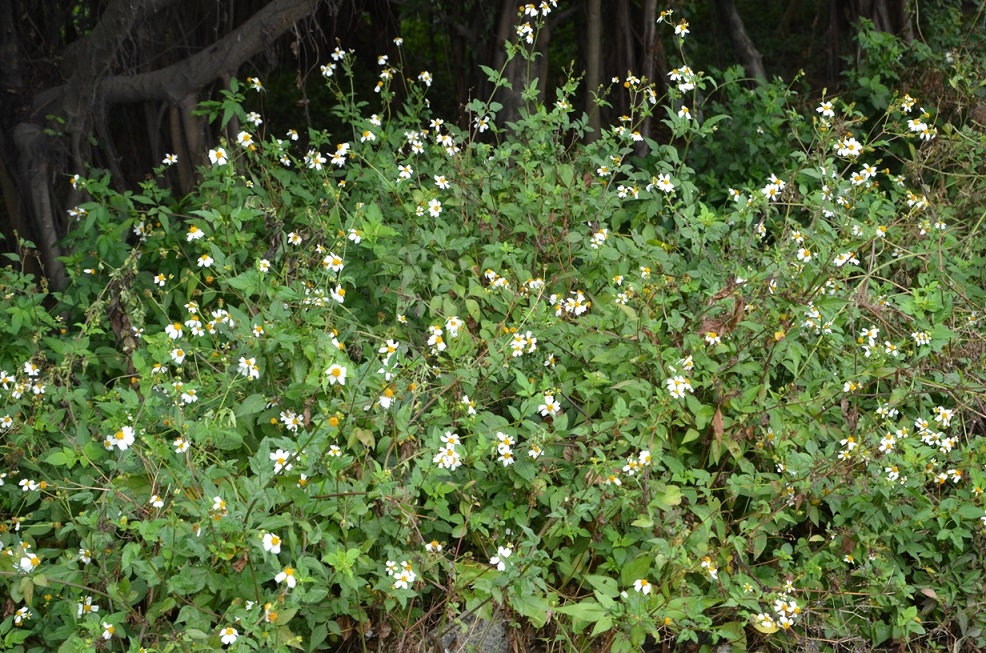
(469, 634)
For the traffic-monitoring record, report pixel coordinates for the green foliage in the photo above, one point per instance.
(421, 370)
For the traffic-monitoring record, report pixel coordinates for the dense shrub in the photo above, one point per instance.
(350, 389)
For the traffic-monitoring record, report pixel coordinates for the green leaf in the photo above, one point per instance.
(533, 606)
(584, 612)
(251, 405)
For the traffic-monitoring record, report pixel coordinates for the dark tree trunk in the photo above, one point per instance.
(36, 164)
(743, 46)
(594, 65)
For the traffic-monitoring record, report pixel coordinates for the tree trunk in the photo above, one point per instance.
(38, 164)
(743, 46)
(594, 64)
(648, 67)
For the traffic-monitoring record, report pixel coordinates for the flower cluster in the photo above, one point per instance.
(403, 574)
(522, 343)
(575, 304)
(678, 386)
(123, 439)
(448, 456)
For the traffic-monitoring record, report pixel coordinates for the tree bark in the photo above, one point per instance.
(648, 66)
(743, 46)
(593, 65)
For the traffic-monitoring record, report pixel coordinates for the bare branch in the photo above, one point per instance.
(222, 58)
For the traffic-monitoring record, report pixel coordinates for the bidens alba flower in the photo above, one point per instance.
(550, 407)
(228, 635)
(248, 368)
(272, 543)
(29, 562)
(500, 559)
(287, 577)
(123, 438)
(678, 386)
(87, 607)
(280, 459)
(218, 156)
(642, 585)
(336, 374)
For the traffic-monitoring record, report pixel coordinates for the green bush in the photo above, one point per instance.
(351, 389)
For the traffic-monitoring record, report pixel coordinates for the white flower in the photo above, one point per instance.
(248, 368)
(388, 349)
(681, 29)
(244, 139)
(314, 160)
(435, 340)
(434, 208)
(178, 355)
(453, 324)
(280, 459)
(336, 374)
(23, 614)
(156, 501)
(29, 562)
(181, 445)
(642, 585)
(86, 607)
(499, 560)
(664, 183)
(108, 630)
(550, 407)
(333, 262)
(228, 635)
(287, 577)
(123, 438)
(194, 233)
(826, 109)
(170, 159)
(849, 147)
(708, 565)
(338, 294)
(678, 386)
(218, 156)
(205, 261)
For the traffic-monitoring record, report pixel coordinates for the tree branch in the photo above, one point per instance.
(224, 57)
